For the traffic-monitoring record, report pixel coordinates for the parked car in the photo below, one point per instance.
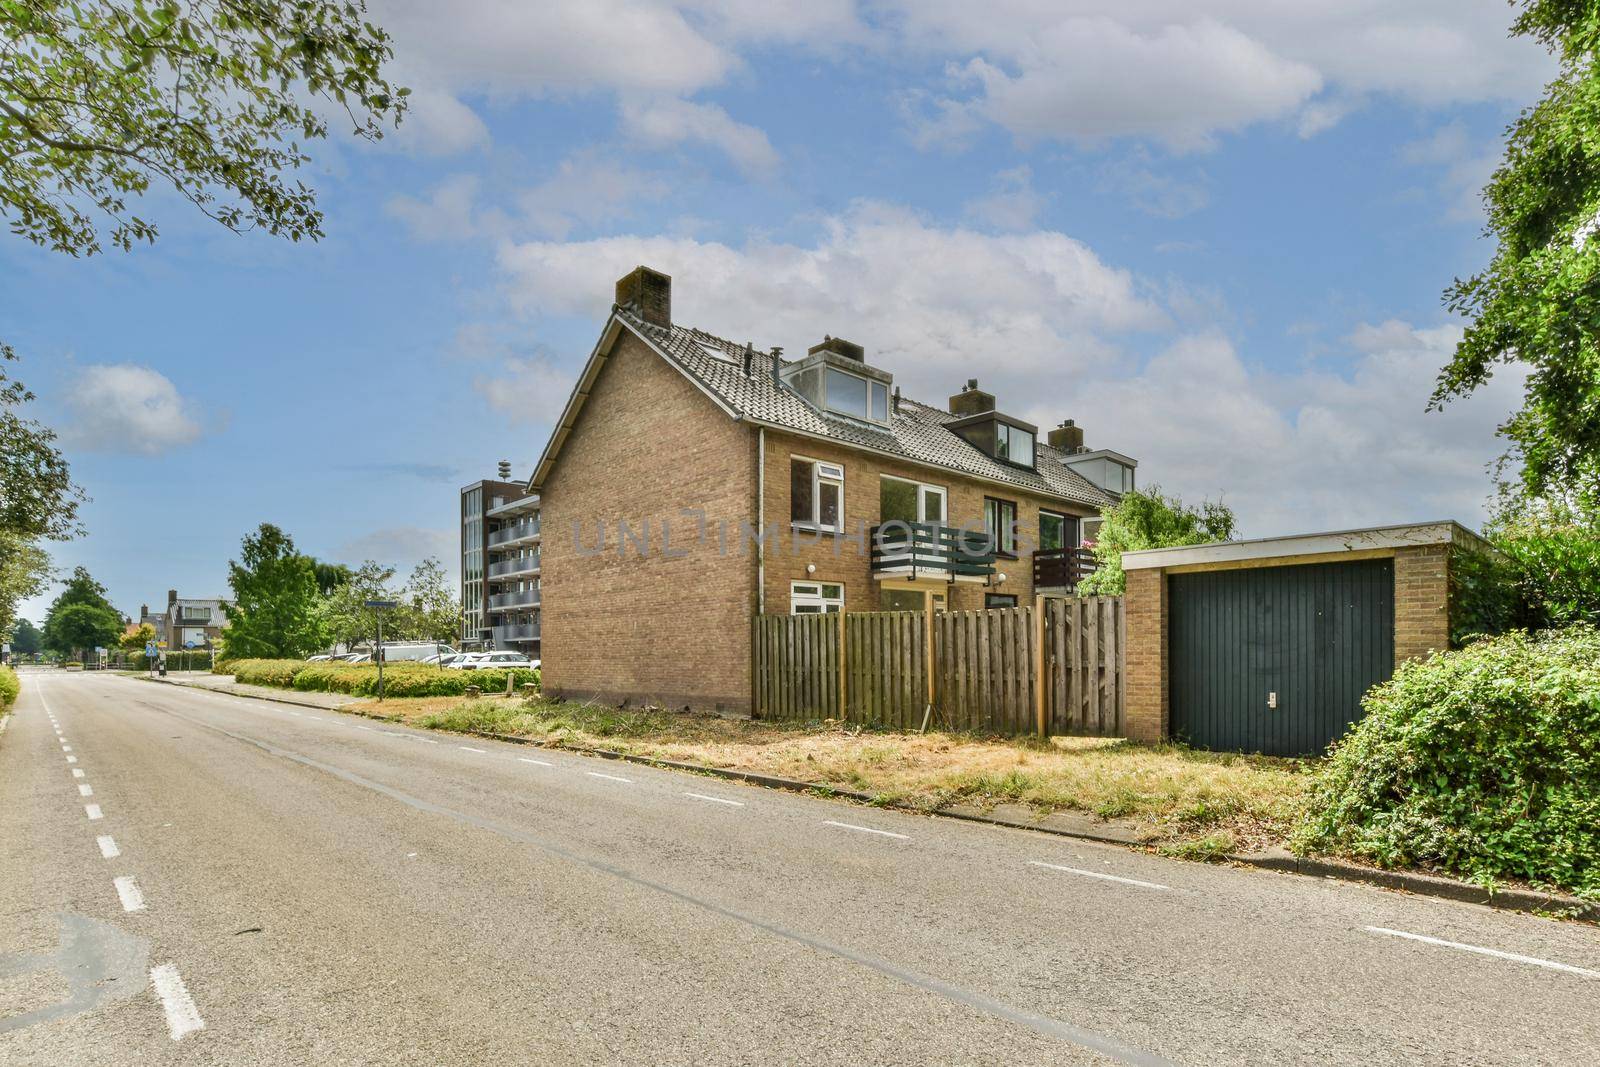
(414, 651)
(489, 660)
(465, 661)
(358, 657)
(319, 659)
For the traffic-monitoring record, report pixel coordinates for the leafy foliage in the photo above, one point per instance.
(100, 100)
(24, 572)
(426, 608)
(275, 610)
(136, 639)
(26, 639)
(81, 617)
(1538, 301)
(399, 679)
(37, 497)
(1544, 571)
(1147, 519)
(10, 687)
(1484, 761)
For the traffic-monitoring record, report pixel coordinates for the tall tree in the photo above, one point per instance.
(1147, 519)
(349, 620)
(1538, 301)
(102, 99)
(429, 609)
(275, 611)
(136, 639)
(330, 576)
(81, 617)
(37, 497)
(26, 639)
(24, 572)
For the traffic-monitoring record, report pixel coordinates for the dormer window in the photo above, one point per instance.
(1007, 439)
(858, 397)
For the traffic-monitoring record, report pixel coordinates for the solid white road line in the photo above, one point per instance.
(182, 1016)
(1101, 875)
(108, 847)
(716, 800)
(865, 829)
(537, 762)
(608, 777)
(479, 751)
(93, 811)
(77, 772)
(85, 791)
(132, 899)
(1480, 950)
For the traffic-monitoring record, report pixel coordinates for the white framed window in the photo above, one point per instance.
(1013, 445)
(856, 396)
(1091, 529)
(816, 494)
(906, 501)
(815, 598)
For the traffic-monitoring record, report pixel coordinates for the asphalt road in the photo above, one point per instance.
(233, 881)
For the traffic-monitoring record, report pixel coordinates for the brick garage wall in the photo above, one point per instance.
(848, 560)
(1421, 602)
(668, 631)
(1145, 658)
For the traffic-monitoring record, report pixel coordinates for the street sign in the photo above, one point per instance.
(188, 644)
(161, 644)
(149, 648)
(382, 603)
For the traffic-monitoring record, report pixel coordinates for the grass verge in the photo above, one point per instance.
(1198, 804)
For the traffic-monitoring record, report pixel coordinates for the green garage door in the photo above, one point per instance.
(1316, 635)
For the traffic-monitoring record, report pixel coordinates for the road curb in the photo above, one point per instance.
(1284, 862)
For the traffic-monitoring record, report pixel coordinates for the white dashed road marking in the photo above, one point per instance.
(1100, 875)
(479, 751)
(865, 829)
(608, 777)
(1480, 950)
(85, 791)
(108, 847)
(132, 899)
(72, 759)
(93, 811)
(182, 1016)
(536, 762)
(716, 800)
(77, 773)
(66, 748)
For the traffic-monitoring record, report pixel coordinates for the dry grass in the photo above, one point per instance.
(1187, 802)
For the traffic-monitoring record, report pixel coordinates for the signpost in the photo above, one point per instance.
(380, 606)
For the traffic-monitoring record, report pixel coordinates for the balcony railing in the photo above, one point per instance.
(515, 568)
(522, 598)
(526, 530)
(194, 620)
(504, 635)
(1062, 568)
(928, 550)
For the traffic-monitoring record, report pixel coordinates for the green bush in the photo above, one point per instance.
(361, 679)
(1544, 572)
(176, 661)
(10, 687)
(1483, 761)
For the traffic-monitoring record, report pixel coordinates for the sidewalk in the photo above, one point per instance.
(224, 683)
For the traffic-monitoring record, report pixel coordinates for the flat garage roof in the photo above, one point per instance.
(1444, 532)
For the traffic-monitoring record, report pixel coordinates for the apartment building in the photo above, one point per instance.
(692, 482)
(500, 565)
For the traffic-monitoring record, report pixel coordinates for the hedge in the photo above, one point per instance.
(361, 679)
(10, 687)
(176, 661)
(1483, 761)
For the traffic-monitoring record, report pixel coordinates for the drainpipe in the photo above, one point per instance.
(761, 520)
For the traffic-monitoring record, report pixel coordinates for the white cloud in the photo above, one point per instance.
(526, 389)
(587, 189)
(124, 407)
(932, 303)
(1181, 73)
(1320, 449)
(437, 123)
(448, 214)
(1012, 205)
(663, 122)
(403, 547)
(1462, 165)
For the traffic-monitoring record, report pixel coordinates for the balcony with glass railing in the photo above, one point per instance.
(525, 532)
(505, 635)
(518, 600)
(517, 567)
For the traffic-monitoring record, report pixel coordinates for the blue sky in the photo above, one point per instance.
(1216, 235)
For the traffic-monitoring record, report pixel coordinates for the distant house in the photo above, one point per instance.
(692, 482)
(188, 622)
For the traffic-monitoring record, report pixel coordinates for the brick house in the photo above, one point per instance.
(692, 482)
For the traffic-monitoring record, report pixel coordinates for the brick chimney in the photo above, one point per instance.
(971, 400)
(839, 347)
(648, 294)
(172, 597)
(1068, 437)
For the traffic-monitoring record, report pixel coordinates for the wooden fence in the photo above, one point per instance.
(1051, 668)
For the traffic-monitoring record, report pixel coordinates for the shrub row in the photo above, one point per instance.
(176, 661)
(361, 679)
(1484, 761)
(10, 687)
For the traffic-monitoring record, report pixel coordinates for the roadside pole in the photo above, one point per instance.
(380, 606)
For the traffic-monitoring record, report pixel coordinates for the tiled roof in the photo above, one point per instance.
(916, 431)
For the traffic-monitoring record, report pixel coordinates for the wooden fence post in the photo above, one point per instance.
(843, 691)
(1038, 665)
